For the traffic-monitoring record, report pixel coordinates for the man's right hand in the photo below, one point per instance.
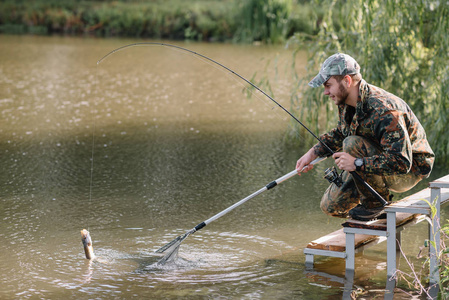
(303, 164)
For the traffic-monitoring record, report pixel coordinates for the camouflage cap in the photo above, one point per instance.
(337, 64)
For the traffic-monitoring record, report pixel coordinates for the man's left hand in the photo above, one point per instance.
(344, 161)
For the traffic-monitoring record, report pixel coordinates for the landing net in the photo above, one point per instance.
(171, 249)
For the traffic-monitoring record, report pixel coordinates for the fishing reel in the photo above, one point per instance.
(332, 176)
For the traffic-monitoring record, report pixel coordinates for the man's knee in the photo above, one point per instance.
(331, 211)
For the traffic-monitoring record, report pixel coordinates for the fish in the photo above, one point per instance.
(87, 244)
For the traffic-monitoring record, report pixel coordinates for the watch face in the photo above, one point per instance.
(358, 162)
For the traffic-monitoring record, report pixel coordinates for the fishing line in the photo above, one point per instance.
(92, 162)
(93, 114)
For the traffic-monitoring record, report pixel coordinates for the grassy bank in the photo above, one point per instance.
(205, 20)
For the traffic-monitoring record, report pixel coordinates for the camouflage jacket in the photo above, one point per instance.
(387, 121)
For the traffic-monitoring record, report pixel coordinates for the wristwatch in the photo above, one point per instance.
(358, 162)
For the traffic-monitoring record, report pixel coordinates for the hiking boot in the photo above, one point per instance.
(366, 214)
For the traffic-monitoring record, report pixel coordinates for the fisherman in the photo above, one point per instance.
(377, 135)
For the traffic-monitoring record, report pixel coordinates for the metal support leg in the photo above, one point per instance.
(350, 251)
(389, 288)
(349, 283)
(391, 243)
(309, 260)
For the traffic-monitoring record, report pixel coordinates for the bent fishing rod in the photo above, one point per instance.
(353, 173)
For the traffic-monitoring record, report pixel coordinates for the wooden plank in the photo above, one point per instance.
(442, 182)
(336, 241)
(401, 219)
(414, 199)
(417, 199)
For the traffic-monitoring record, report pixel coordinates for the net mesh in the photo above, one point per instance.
(170, 250)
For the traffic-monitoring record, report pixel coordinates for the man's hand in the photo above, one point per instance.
(344, 161)
(303, 164)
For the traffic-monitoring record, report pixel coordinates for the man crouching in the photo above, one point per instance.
(377, 135)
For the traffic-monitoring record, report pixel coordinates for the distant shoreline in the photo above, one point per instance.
(200, 20)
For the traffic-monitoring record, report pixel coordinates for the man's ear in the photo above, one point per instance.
(348, 80)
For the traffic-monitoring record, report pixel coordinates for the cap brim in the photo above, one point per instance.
(318, 80)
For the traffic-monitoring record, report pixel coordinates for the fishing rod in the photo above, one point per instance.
(331, 173)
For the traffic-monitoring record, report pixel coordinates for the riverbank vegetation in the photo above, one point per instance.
(269, 21)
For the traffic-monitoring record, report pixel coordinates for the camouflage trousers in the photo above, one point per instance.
(338, 201)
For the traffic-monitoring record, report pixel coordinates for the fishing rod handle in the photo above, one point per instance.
(292, 173)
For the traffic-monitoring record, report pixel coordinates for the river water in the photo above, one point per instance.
(138, 150)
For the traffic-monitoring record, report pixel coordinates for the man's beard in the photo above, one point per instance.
(342, 95)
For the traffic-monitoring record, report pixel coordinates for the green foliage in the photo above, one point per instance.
(402, 46)
(263, 20)
(304, 19)
(273, 21)
(208, 20)
(173, 19)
